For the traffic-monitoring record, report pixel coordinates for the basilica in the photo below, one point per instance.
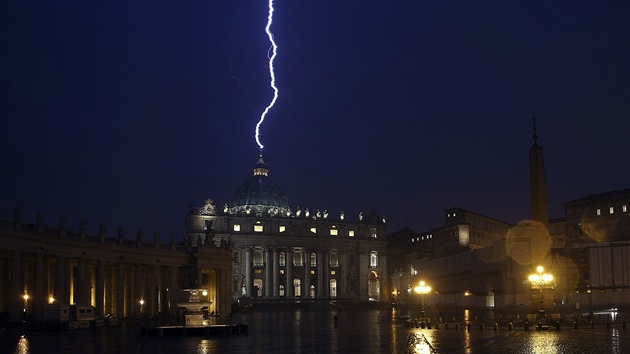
(281, 254)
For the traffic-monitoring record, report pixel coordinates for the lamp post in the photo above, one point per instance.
(422, 289)
(25, 296)
(540, 280)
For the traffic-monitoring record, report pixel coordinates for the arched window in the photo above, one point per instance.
(313, 260)
(373, 259)
(333, 287)
(258, 258)
(281, 290)
(298, 259)
(282, 259)
(312, 291)
(258, 287)
(334, 259)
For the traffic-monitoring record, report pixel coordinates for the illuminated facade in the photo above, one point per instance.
(280, 254)
(134, 277)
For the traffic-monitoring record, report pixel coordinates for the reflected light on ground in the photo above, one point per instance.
(22, 346)
(206, 347)
(543, 343)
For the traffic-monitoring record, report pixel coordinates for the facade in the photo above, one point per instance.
(135, 277)
(284, 255)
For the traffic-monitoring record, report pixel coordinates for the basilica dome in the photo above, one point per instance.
(260, 196)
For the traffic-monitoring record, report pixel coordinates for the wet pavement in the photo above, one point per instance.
(356, 330)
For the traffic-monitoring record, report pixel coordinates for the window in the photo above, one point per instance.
(282, 271)
(333, 287)
(333, 272)
(258, 287)
(373, 259)
(312, 272)
(351, 233)
(258, 228)
(282, 228)
(334, 232)
(373, 232)
(282, 259)
(612, 210)
(314, 230)
(624, 208)
(312, 291)
(599, 212)
(258, 258)
(298, 259)
(313, 260)
(208, 225)
(237, 227)
(334, 259)
(281, 290)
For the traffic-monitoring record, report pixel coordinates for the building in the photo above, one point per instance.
(127, 277)
(280, 254)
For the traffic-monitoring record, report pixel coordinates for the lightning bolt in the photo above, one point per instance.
(271, 54)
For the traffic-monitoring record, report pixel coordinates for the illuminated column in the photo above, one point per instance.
(268, 273)
(100, 288)
(38, 287)
(61, 290)
(276, 270)
(79, 283)
(320, 274)
(155, 292)
(288, 293)
(248, 271)
(17, 288)
(326, 275)
(138, 292)
(307, 276)
(120, 290)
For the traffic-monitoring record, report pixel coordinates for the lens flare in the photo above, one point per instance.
(271, 54)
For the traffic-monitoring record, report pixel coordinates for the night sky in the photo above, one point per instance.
(125, 112)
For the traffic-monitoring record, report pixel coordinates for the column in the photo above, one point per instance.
(248, 271)
(120, 290)
(326, 273)
(16, 302)
(100, 288)
(38, 295)
(139, 290)
(343, 276)
(61, 291)
(155, 290)
(79, 283)
(268, 273)
(320, 274)
(288, 292)
(276, 271)
(307, 275)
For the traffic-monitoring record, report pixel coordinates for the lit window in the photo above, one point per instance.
(612, 210)
(313, 260)
(312, 272)
(281, 290)
(282, 259)
(258, 228)
(599, 211)
(624, 208)
(314, 230)
(413, 240)
(237, 227)
(333, 232)
(332, 272)
(282, 228)
(281, 271)
(453, 214)
(373, 259)
(351, 233)
(373, 232)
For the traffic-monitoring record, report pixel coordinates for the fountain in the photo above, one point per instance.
(196, 310)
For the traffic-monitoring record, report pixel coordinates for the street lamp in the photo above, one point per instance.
(541, 280)
(25, 296)
(422, 289)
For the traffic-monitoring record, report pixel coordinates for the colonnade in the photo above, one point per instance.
(32, 280)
